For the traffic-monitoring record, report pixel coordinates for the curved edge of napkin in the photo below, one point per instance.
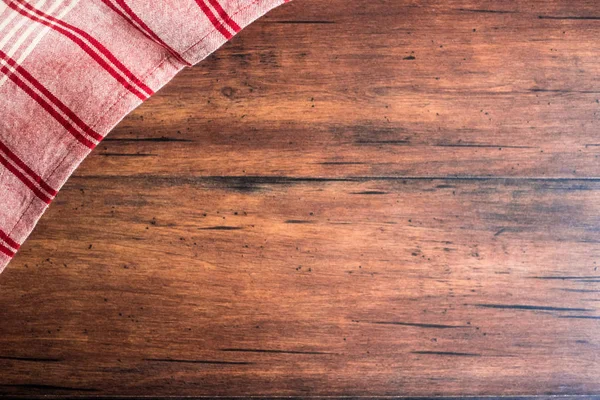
(157, 77)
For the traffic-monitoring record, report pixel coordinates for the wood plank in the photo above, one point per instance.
(421, 287)
(488, 94)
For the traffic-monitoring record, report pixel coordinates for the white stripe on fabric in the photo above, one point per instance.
(44, 31)
(28, 31)
(18, 26)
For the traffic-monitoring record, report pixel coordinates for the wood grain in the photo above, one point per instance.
(366, 198)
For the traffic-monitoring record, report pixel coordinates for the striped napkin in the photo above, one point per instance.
(70, 70)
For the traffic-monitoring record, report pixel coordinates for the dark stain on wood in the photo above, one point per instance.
(209, 362)
(221, 228)
(484, 146)
(126, 155)
(31, 359)
(382, 142)
(418, 325)
(371, 192)
(302, 22)
(446, 353)
(46, 388)
(571, 17)
(529, 307)
(485, 11)
(566, 278)
(161, 139)
(275, 351)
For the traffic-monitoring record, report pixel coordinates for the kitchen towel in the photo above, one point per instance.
(70, 70)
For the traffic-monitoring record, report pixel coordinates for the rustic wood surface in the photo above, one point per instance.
(358, 198)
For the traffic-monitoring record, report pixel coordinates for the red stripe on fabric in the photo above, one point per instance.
(96, 43)
(21, 164)
(6, 251)
(48, 107)
(217, 6)
(213, 19)
(134, 20)
(4, 236)
(60, 105)
(25, 181)
(67, 29)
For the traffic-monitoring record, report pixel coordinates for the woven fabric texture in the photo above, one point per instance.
(70, 70)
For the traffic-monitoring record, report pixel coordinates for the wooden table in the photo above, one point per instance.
(352, 198)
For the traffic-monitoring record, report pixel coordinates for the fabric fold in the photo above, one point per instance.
(70, 70)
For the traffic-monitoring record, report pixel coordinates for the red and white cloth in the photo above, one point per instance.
(70, 70)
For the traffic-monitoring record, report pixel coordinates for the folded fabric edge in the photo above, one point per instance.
(160, 75)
